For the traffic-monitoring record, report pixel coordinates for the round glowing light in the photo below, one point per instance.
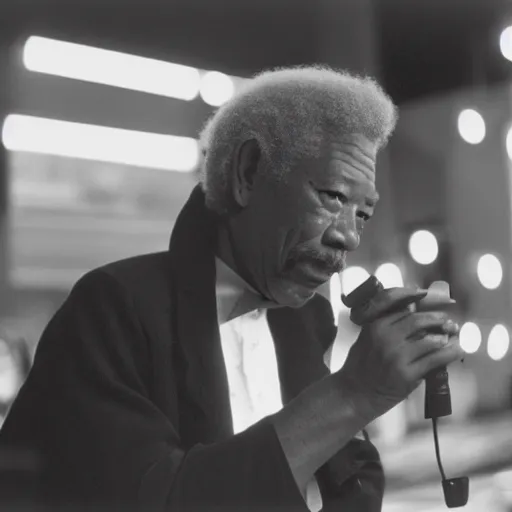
(471, 126)
(489, 271)
(498, 342)
(506, 43)
(508, 143)
(423, 247)
(352, 277)
(216, 88)
(389, 275)
(470, 337)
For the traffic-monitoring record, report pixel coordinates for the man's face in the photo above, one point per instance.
(291, 237)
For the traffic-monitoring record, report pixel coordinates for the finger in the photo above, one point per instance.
(443, 357)
(428, 344)
(384, 302)
(435, 300)
(419, 324)
(449, 329)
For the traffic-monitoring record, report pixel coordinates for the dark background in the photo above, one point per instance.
(425, 47)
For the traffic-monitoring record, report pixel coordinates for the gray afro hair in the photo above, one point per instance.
(292, 113)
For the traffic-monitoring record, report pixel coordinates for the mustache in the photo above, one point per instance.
(330, 261)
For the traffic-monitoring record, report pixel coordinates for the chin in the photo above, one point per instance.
(292, 295)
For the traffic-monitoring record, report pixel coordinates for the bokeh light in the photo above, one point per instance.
(97, 65)
(471, 126)
(216, 88)
(352, 277)
(389, 275)
(335, 296)
(506, 43)
(100, 143)
(498, 342)
(489, 271)
(470, 337)
(423, 247)
(508, 143)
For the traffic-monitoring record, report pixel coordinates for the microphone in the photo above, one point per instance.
(438, 401)
(437, 390)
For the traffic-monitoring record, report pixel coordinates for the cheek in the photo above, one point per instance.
(296, 227)
(313, 225)
(304, 239)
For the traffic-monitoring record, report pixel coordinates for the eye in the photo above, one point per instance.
(333, 195)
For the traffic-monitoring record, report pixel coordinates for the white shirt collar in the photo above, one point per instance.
(236, 297)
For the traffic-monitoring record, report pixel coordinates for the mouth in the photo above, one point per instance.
(315, 274)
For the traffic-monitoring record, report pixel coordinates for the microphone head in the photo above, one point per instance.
(363, 293)
(456, 491)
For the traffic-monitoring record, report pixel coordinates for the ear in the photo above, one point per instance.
(246, 164)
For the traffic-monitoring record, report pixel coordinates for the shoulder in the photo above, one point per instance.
(140, 286)
(137, 270)
(135, 276)
(121, 304)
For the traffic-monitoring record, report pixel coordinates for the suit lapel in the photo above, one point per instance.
(206, 415)
(301, 337)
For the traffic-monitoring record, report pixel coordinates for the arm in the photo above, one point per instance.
(316, 425)
(393, 353)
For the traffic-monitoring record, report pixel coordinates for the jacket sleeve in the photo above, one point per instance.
(86, 411)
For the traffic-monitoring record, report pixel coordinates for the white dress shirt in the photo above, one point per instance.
(249, 355)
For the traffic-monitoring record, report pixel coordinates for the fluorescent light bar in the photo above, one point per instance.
(76, 140)
(108, 67)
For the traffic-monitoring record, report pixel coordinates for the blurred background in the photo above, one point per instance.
(101, 102)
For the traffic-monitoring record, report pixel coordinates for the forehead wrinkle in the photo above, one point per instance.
(358, 149)
(355, 150)
(353, 164)
(355, 160)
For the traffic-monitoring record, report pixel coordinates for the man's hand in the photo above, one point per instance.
(396, 348)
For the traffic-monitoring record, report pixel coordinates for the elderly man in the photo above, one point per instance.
(140, 395)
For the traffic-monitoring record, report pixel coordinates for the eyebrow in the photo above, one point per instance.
(370, 201)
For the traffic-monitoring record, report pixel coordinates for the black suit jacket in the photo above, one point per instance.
(127, 403)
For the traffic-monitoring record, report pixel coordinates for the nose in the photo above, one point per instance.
(343, 234)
